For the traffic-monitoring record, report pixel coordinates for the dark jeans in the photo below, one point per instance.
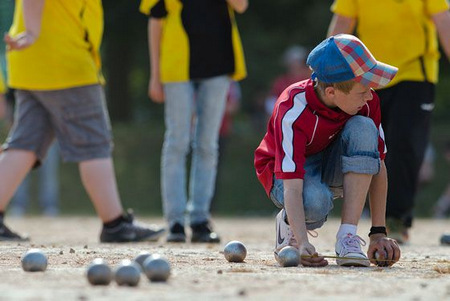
(406, 115)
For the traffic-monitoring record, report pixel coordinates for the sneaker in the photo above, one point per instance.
(7, 235)
(202, 232)
(284, 235)
(176, 234)
(397, 230)
(131, 231)
(348, 249)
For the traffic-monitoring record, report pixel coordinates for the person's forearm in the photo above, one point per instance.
(341, 24)
(154, 38)
(239, 6)
(378, 194)
(293, 202)
(32, 15)
(442, 22)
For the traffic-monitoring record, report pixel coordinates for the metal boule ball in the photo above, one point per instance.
(34, 260)
(99, 272)
(157, 268)
(141, 257)
(127, 273)
(235, 251)
(289, 257)
(445, 239)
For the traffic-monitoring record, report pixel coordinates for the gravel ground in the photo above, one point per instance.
(200, 272)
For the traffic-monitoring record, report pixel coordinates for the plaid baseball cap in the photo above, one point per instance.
(343, 57)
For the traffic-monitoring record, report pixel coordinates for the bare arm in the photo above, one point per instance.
(239, 6)
(155, 89)
(442, 22)
(341, 24)
(293, 201)
(386, 247)
(32, 15)
(377, 197)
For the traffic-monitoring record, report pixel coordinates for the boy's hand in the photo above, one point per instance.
(309, 257)
(387, 250)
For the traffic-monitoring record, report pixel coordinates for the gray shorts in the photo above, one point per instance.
(78, 117)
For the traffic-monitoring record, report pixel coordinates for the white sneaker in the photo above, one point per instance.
(284, 235)
(348, 248)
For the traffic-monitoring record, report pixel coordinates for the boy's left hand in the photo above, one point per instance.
(387, 249)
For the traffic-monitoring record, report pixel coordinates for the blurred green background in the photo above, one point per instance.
(267, 29)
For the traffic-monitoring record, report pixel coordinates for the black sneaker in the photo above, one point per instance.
(202, 232)
(8, 235)
(131, 231)
(176, 234)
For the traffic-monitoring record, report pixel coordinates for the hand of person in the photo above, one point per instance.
(155, 90)
(21, 41)
(309, 257)
(387, 249)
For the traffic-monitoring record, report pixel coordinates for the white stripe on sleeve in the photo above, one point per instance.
(380, 128)
(288, 164)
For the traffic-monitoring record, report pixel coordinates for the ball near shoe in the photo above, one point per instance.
(141, 257)
(445, 239)
(127, 273)
(235, 251)
(34, 260)
(289, 257)
(99, 272)
(157, 268)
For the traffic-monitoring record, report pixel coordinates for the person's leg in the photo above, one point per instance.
(21, 199)
(317, 202)
(81, 122)
(409, 106)
(178, 106)
(14, 166)
(99, 180)
(210, 107)
(49, 182)
(351, 162)
(25, 146)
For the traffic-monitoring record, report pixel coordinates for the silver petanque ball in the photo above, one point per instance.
(235, 251)
(445, 239)
(34, 260)
(128, 273)
(157, 268)
(289, 257)
(381, 263)
(141, 257)
(99, 272)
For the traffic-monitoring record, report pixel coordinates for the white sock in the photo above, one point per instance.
(344, 229)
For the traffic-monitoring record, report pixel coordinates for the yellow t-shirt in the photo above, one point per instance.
(400, 33)
(66, 54)
(2, 84)
(175, 47)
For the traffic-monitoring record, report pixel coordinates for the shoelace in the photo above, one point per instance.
(353, 243)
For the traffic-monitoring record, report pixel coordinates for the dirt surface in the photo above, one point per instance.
(200, 271)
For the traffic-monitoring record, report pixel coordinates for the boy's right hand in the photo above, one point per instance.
(155, 90)
(309, 257)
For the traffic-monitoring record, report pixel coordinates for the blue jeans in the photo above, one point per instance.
(204, 100)
(354, 150)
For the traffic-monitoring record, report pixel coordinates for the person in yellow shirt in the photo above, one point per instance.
(54, 67)
(195, 50)
(403, 34)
